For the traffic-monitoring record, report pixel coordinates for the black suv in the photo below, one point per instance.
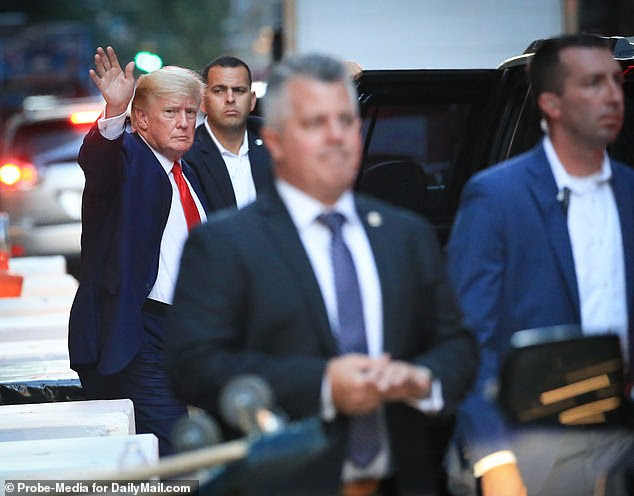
(426, 132)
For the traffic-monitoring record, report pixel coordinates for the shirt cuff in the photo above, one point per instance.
(493, 460)
(432, 403)
(328, 411)
(112, 127)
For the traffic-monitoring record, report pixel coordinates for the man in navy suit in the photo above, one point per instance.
(543, 239)
(228, 154)
(140, 199)
(269, 299)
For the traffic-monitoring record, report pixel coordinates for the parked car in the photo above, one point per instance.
(426, 132)
(40, 181)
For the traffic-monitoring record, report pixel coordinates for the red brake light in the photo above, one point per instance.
(84, 116)
(17, 175)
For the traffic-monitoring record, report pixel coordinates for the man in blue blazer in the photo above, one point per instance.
(543, 239)
(136, 212)
(228, 154)
(270, 300)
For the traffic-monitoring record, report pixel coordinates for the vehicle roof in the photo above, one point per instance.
(622, 50)
(46, 107)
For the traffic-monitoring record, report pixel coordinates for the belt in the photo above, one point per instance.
(155, 307)
(361, 487)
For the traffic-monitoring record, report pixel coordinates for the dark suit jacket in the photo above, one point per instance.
(511, 263)
(204, 157)
(125, 206)
(247, 301)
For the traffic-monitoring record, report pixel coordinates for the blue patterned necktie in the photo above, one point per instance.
(363, 438)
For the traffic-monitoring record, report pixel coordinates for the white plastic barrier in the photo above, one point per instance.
(31, 350)
(36, 305)
(25, 327)
(49, 285)
(38, 370)
(52, 458)
(66, 420)
(54, 264)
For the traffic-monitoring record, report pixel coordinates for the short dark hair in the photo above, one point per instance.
(546, 72)
(226, 61)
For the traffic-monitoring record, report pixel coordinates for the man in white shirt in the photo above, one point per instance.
(140, 200)
(228, 154)
(339, 301)
(541, 240)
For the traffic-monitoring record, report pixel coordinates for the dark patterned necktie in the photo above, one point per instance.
(363, 439)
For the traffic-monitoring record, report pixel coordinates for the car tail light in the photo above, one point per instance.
(17, 174)
(85, 116)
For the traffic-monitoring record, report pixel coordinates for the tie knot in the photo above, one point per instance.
(332, 220)
(176, 168)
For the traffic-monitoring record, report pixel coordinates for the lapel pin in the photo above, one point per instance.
(258, 141)
(375, 219)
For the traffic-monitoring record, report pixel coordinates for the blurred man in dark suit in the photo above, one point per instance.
(339, 301)
(228, 154)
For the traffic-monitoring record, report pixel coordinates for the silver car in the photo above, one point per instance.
(40, 181)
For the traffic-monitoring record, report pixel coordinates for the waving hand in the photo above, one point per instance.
(116, 85)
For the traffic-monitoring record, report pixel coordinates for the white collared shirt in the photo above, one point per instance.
(175, 232)
(238, 167)
(597, 247)
(316, 239)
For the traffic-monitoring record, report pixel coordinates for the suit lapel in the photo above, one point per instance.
(260, 162)
(215, 165)
(387, 266)
(284, 236)
(543, 188)
(160, 175)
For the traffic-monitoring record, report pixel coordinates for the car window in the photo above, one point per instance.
(34, 139)
(418, 131)
(410, 157)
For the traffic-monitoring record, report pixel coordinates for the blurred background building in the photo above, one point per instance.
(46, 47)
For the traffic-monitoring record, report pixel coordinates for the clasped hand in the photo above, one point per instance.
(361, 383)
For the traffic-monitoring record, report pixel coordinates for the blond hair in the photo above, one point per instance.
(167, 81)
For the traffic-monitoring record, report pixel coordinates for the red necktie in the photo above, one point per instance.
(187, 201)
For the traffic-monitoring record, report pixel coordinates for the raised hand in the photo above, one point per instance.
(116, 85)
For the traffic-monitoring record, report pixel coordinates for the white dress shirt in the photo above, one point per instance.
(597, 248)
(175, 232)
(239, 169)
(316, 239)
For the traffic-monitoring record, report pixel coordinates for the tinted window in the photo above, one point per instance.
(35, 139)
(410, 157)
(422, 131)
